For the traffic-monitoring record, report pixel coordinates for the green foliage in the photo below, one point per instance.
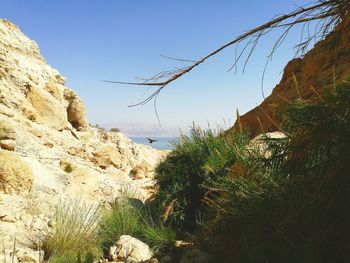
(121, 219)
(140, 222)
(195, 161)
(152, 230)
(68, 168)
(292, 205)
(75, 234)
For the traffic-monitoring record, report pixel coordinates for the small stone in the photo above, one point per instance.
(9, 145)
(50, 223)
(30, 257)
(37, 133)
(130, 248)
(8, 218)
(48, 144)
(38, 224)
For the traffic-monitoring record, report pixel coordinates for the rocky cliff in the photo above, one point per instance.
(327, 62)
(49, 152)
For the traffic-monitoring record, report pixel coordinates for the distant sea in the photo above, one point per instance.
(162, 143)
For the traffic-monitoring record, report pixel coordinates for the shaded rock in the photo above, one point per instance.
(141, 171)
(9, 145)
(7, 131)
(195, 255)
(15, 174)
(76, 114)
(259, 143)
(130, 249)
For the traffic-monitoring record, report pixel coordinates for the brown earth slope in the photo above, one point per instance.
(328, 60)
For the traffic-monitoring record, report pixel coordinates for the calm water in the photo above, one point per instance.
(162, 143)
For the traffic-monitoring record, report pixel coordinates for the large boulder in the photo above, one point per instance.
(15, 174)
(76, 113)
(130, 249)
(48, 111)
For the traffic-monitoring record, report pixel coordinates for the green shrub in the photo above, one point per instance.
(68, 168)
(294, 205)
(74, 235)
(195, 160)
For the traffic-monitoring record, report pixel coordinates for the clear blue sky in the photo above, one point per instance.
(90, 40)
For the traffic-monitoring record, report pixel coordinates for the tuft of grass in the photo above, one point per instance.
(143, 223)
(152, 229)
(75, 232)
(68, 168)
(121, 219)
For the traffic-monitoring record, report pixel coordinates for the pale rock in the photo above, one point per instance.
(48, 144)
(30, 256)
(29, 113)
(76, 113)
(130, 249)
(37, 133)
(107, 156)
(36, 103)
(141, 171)
(259, 142)
(54, 90)
(48, 111)
(15, 174)
(7, 131)
(8, 218)
(38, 224)
(74, 151)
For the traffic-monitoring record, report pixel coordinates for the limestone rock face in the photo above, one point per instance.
(315, 71)
(54, 153)
(107, 156)
(130, 249)
(15, 174)
(46, 109)
(29, 86)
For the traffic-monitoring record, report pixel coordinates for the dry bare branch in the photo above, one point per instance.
(328, 13)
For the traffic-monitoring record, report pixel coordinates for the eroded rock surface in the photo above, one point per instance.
(304, 78)
(49, 152)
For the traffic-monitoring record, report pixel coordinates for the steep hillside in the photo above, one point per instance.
(49, 152)
(328, 60)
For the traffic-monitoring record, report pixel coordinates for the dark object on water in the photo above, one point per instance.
(151, 140)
